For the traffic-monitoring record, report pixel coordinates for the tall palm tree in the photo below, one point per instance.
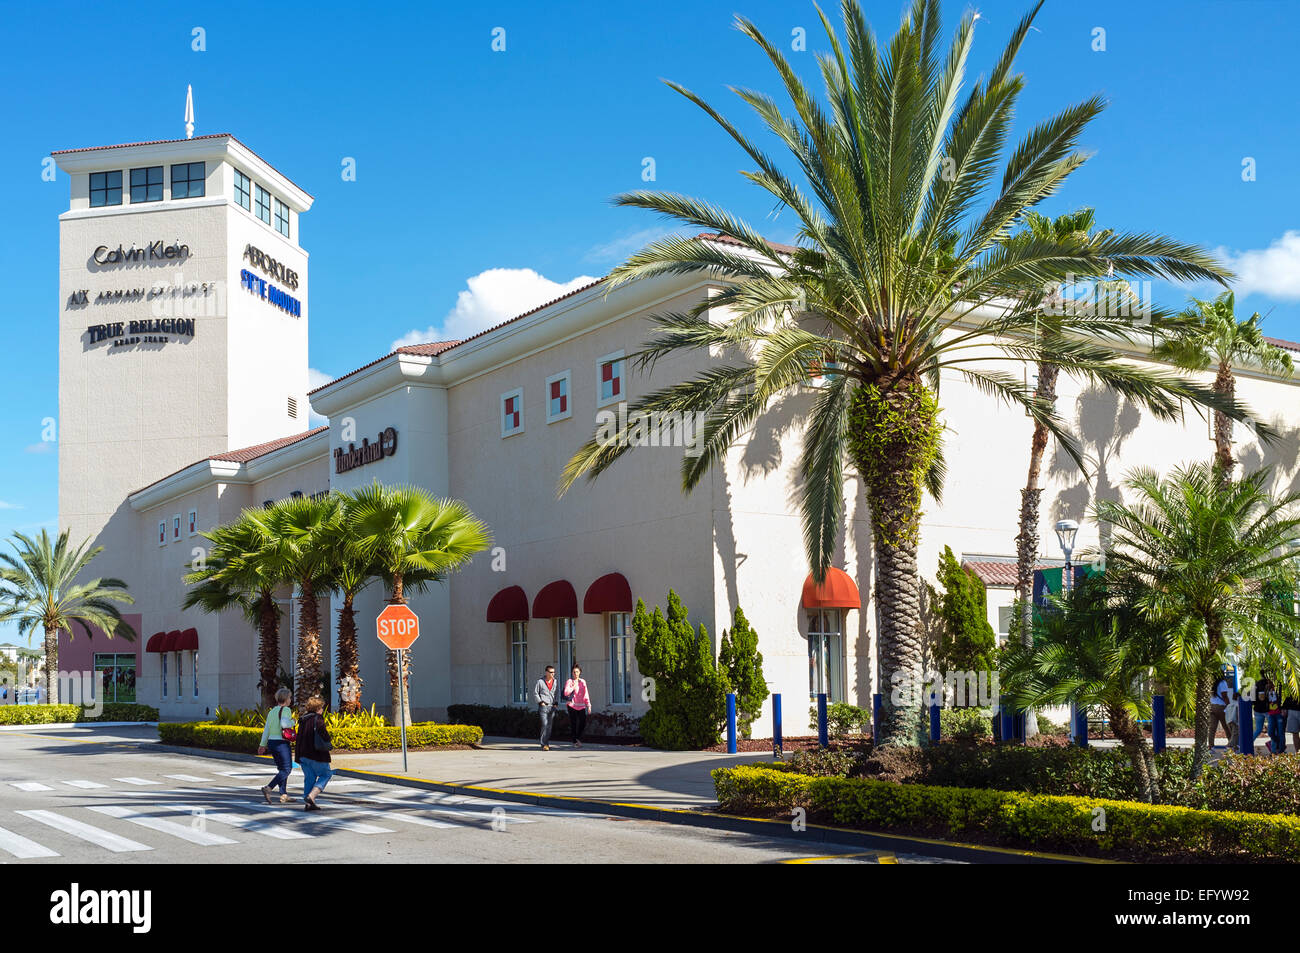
(292, 543)
(898, 277)
(1093, 647)
(407, 533)
(40, 589)
(1205, 556)
(1213, 338)
(233, 577)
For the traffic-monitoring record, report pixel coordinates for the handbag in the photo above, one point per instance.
(288, 734)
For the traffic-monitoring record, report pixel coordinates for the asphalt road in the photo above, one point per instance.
(73, 796)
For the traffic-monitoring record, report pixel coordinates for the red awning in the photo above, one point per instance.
(169, 643)
(556, 600)
(155, 642)
(189, 641)
(837, 591)
(508, 605)
(609, 593)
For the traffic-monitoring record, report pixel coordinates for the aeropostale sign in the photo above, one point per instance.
(354, 456)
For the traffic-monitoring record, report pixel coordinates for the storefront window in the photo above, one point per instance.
(519, 662)
(194, 667)
(620, 655)
(180, 674)
(118, 676)
(565, 646)
(826, 654)
(163, 656)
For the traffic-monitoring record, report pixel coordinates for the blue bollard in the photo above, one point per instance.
(778, 744)
(822, 739)
(1245, 727)
(934, 723)
(1081, 728)
(1007, 728)
(877, 702)
(1157, 723)
(731, 722)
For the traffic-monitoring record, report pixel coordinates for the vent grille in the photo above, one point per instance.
(293, 407)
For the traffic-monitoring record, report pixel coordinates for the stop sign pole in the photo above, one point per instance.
(398, 627)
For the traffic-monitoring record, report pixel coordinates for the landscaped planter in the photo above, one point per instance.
(202, 734)
(67, 714)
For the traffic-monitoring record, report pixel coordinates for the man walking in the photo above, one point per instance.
(544, 693)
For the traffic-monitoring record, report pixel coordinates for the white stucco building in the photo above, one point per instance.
(492, 420)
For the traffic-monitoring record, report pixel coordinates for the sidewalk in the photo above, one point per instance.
(665, 779)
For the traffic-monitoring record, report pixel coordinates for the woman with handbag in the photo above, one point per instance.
(314, 744)
(578, 701)
(277, 737)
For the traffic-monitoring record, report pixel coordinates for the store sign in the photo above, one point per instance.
(269, 266)
(354, 456)
(81, 297)
(270, 293)
(154, 251)
(153, 331)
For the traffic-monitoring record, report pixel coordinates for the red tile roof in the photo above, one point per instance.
(243, 455)
(1001, 573)
(728, 240)
(428, 350)
(1287, 345)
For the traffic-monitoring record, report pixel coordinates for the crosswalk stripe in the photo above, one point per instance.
(21, 847)
(342, 823)
(185, 832)
(416, 805)
(96, 835)
(30, 786)
(186, 777)
(252, 824)
(399, 816)
(136, 781)
(85, 784)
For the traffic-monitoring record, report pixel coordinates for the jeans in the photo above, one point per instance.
(1218, 717)
(577, 723)
(1261, 717)
(1276, 724)
(547, 713)
(315, 774)
(282, 752)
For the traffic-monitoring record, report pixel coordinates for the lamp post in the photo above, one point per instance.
(1066, 531)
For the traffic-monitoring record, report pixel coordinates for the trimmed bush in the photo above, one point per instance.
(203, 734)
(65, 714)
(511, 722)
(1038, 821)
(965, 724)
(842, 719)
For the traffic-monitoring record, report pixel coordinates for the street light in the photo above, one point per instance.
(1066, 531)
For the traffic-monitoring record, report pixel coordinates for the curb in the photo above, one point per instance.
(63, 725)
(814, 834)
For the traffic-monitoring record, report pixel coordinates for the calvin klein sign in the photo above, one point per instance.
(354, 456)
(154, 251)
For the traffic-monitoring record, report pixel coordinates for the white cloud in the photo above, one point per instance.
(491, 297)
(1273, 271)
(316, 379)
(45, 446)
(10, 506)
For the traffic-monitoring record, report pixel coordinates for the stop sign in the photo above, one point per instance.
(398, 627)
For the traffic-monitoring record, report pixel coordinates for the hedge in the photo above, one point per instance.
(64, 714)
(509, 721)
(203, 734)
(1037, 821)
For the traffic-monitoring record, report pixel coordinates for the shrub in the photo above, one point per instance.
(203, 734)
(967, 643)
(742, 668)
(1026, 820)
(842, 719)
(817, 762)
(256, 718)
(965, 724)
(1262, 785)
(64, 714)
(688, 706)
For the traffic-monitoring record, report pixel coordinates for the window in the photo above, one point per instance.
(1005, 614)
(187, 180)
(282, 218)
(518, 662)
(105, 188)
(180, 674)
(119, 676)
(163, 656)
(193, 520)
(609, 379)
(194, 667)
(826, 654)
(566, 646)
(243, 191)
(176, 527)
(557, 398)
(263, 205)
(146, 184)
(162, 533)
(512, 412)
(620, 654)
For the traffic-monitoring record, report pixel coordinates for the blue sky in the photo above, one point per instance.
(484, 177)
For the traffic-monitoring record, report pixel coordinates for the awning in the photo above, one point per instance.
(836, 591)
(508, 605)
(609, 593)
(556, 600)
(169, 643)
(189, 641)
(155, 642)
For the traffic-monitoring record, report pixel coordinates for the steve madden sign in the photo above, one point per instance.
(268, 265)
(154, 251)
(354, 456)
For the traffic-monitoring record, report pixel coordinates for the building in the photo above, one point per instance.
(490, 420)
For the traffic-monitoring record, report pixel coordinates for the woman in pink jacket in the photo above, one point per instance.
(579, 703)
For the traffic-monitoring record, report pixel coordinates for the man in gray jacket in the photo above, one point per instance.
(546, 693)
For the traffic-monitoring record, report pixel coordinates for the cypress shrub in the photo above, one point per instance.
(742, 667)
(688, 695)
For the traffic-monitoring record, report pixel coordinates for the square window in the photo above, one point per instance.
(105, 188)
(243, 191)
(609, 379)
(512, 412)
(263, 204)
(147, 184)
(187, 180)
(162, 532)
(193, 520)
(558, 405)
(282, 218)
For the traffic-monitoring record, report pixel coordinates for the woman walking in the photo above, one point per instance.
(1276, 722)
(314, 745)
(277, 738)
(579, 703)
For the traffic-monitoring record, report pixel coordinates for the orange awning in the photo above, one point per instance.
(836, 591)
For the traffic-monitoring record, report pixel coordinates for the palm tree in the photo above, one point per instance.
(348, 571)
(897, 278)
(408, 534)
(233, 577)
(39, 589)
(291, 537)
(1095, 648)
(1206, 556)
(1212, 337)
